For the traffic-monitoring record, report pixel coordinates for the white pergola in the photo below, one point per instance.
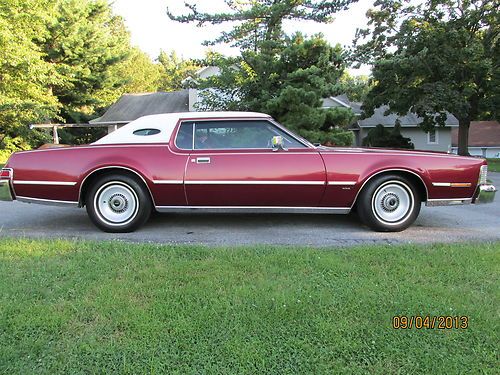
(54, 127)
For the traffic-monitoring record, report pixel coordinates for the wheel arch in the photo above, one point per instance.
(98, 172)
(414, 177)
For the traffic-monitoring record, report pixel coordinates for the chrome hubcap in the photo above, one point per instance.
(392, 202)
(116, 203)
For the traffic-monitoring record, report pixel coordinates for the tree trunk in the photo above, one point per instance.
(463, 137)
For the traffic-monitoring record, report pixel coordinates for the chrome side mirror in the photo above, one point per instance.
(278, 143)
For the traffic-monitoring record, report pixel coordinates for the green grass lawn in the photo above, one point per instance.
(494, 165)
(82, 307)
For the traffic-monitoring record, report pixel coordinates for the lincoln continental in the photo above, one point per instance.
(237, 162)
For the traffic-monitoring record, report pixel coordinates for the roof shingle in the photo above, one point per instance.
(132, 106)
(481, 134)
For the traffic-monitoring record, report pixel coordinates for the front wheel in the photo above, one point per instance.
(389, 203)
(117, 203)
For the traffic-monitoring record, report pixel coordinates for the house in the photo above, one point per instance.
(436, 140)
(132, 106)
(484, 139)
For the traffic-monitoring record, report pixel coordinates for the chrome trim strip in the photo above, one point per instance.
(48, 202)
(252, 182)
(452, 184)
(254, 209)
(55, 183)
(448, 202)
(116, 167)
(340, 183)
(167, 182)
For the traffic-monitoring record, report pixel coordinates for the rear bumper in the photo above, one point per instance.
(6, 191)
(485, 194)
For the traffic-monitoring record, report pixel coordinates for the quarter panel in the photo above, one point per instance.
(152, 162)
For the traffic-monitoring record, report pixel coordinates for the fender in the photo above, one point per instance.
(93, 171)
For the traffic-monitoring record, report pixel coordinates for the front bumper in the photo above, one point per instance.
(6, 191)
(485, 194)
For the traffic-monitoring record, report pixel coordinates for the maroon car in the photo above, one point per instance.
(236, 161)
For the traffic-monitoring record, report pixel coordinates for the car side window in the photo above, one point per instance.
(239, 134)
(184, 138)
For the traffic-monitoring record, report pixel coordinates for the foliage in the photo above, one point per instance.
(259, 21)
(113, 307)
(174, 70)
(63, 61)
(285, 76)
(494, 165)
(287, 82)
(355, 87)
(25, 78)
(83, 40)
(380, 136)
(432, 58)
(136, 74)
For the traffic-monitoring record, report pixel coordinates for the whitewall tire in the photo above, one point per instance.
(118, 203)
(389, 203)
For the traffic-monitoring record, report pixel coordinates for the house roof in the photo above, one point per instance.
(409, 120)
(481, 134)
(132, 106)
(343, 101)
(378, 117)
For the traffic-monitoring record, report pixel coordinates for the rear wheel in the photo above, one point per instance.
(118, 203)
(389, 203)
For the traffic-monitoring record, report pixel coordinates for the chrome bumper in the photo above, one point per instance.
(486, 194)
(6, 191)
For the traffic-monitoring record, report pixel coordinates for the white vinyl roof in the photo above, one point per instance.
(165, 123)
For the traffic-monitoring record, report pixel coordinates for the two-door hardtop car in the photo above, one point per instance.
(236, 161)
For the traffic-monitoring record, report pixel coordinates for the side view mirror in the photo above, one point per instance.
(278, 143)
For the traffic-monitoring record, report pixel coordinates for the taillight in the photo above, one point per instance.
(483, 175)
(6, 174)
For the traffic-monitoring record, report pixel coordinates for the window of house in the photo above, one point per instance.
(432, 137)
(231, 134)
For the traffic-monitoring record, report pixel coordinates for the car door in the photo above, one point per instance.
(232, 163)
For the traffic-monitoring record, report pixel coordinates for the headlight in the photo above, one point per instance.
(483, 175)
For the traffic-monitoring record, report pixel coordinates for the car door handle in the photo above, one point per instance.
(204, 160)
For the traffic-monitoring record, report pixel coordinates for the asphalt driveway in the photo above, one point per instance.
(435, 224)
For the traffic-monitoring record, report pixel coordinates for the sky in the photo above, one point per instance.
(152, 30)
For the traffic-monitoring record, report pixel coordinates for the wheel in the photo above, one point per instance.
(389, 203)
(118, 203)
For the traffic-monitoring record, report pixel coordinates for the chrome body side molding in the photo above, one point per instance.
(48, 183)
(47, 202)
(251, 182)
(255, 209)
(448, 202)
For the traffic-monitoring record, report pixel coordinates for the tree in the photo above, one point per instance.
(289, 86)
(432, 58)
(136, 74)
(261, 20)
(381, 136)
(285, 76)
(174, 70)
(355, 87)
(25, 77)
(84, 40)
